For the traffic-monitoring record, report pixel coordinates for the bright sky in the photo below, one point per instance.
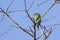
(24, 21)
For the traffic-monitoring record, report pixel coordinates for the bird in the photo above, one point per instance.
(37, 19)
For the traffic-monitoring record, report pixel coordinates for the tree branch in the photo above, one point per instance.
(53, 25)
(27, 11)
(15, 11)
(9, 5)
(5, 32)
(48, 19)
(31, 5)
(2, 18)
(15, 22)
(49, 32)
(42, 2)
(48, 9)
(34, 32)
(25, 4)
(43, 33)
(31, 29)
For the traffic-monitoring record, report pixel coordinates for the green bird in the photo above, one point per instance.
(37, 19)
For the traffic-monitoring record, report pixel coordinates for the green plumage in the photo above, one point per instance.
(37, 19)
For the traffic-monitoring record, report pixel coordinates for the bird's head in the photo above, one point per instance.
(36, 14)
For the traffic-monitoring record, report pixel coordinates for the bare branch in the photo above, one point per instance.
(9, 5)
(25, 4)
(27, 11)
(42, 2)
(15, 11)
(2, 17)
(30, 5)
(48, 19)
(43, 27)
(34, 32)
(15, 23)
(31, 29)
(39, 37)
(49, 32)
(5, 32)
(48, 9)
(19, 28)
(53, 25)
(29, 16)
(43, 33)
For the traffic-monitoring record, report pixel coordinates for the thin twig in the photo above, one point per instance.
(9, 5)
(29, 16)
(43, 33)
(53, 25)
(2, 17)
(48, 19)
(49, 32)
(31, 29)
(31, 5)
(48, 9)
(18, 28)
(5, 32)
(15, 11)
(25, 4)
(42, 2)
(44, 27)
